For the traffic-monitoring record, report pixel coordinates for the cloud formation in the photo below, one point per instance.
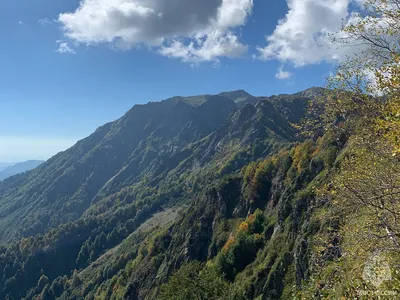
(191, 30)
(304, 35)
(64, 48)
(45, 21)
(282, 74)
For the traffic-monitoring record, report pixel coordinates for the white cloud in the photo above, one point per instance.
(304, 36)
(311, 32)
(282, 74)
(45, 21)
(210, 48)
(20, 23)
(21, 148)
(191, 30)
(63, 48)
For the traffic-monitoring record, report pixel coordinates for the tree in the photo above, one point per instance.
(361, 107)
(364, 102)
(83, 255)
(75, 281)
(364, 90)
(43, 280)
(193, 281)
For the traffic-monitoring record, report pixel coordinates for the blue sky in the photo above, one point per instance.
(63, 74)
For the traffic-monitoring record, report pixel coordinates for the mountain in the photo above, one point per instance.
(4, 165)
(219, 178)
(236, 96)
(13, 169)
(312, 92)
(240, 97)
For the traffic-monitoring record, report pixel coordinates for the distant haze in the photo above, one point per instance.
(18, 168)
(16, 149)
(4, 165)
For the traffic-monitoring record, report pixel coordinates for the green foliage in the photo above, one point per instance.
(241, 249)
(194, 281)
(359, 205)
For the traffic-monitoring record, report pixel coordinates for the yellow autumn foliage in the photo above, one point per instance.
(244, 226)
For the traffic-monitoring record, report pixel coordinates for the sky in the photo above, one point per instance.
(69, 66)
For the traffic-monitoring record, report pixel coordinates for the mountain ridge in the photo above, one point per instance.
(17, 168)
(186, 162)
(79, 163)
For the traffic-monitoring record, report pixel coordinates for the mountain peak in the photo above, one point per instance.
(311, 92)
(236, 96)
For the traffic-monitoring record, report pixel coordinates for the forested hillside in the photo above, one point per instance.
(85, 205)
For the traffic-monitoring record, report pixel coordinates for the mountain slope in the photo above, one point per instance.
(83, 210)
(19, 168)
(4, 165)
(61, 189)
